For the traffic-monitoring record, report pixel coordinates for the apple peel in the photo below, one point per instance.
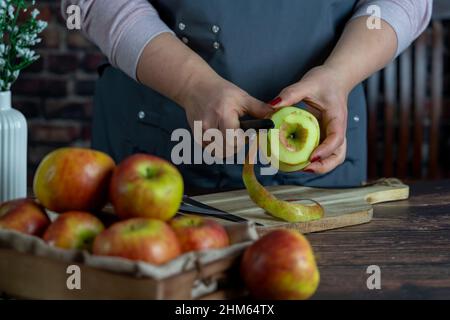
(285, 210)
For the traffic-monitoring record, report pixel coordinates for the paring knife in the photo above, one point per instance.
(257, 124)
(190, 205)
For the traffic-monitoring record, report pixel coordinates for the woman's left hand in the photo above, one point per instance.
(323, 91)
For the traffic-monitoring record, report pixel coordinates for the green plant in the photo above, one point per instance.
(19, 30)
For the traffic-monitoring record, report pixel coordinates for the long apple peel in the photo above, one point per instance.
(288, 211)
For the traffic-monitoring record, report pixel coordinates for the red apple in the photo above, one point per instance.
(24, 215)
(146, 186)
(73, 230)
(197, 233)
(144, 239)
(73, 179)
(280, 265)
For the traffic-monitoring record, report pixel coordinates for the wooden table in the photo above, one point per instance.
(409, 241)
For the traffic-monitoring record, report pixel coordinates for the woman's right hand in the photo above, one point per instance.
(219, 104)
(170, 67)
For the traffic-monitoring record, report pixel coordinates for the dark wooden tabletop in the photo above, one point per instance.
(408, 240)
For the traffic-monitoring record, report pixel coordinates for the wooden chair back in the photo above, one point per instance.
(404, 110)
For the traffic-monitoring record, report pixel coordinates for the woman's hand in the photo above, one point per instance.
(219, 104)
(323, 91)
(359, 53)
(170, 67)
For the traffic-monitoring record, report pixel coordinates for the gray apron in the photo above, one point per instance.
(261, 46)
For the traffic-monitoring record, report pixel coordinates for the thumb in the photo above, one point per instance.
(290, 95)
(257, 108)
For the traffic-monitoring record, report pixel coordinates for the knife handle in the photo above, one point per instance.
(257, 124)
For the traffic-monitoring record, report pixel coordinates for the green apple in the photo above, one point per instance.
(293, 139)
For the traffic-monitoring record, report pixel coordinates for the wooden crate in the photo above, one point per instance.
(31, 269)
(27, 276)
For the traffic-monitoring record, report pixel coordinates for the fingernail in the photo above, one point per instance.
(315, 159)
(275, 101)
(308, 171)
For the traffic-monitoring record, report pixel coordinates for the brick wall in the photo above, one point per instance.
(55, 93)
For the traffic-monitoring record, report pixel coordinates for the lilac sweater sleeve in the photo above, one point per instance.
(120, 28)
(408, 18)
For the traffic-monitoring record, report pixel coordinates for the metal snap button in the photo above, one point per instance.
(185, 40)
(216, 45)
(356, 118)
(141, 114)
(215, 28)
(181, 26)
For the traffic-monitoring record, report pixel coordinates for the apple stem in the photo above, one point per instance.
(150, 172)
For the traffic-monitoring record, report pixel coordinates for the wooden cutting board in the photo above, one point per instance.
(343, 207)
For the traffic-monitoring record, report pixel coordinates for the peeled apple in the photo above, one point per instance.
(296, 135)
(289, 146)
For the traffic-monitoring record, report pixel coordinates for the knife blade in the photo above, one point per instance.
(190, 205)
(212, 213)
(257, 124)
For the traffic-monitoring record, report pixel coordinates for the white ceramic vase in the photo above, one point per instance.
(13, 151)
